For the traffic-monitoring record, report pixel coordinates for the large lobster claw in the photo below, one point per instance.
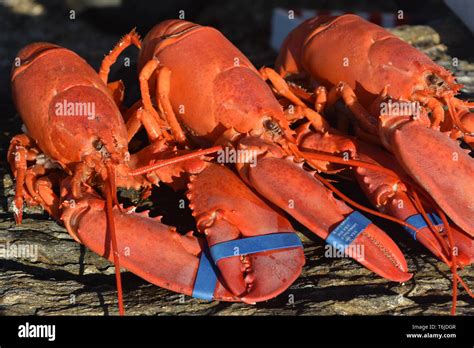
(146, 247)
(440, 166)
(295, 190)
(390, 196)
(253, 245)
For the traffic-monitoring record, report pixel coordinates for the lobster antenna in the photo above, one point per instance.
(110, 199)
(419, 207)
(443, 257)
(174, 160)
(454, 264)
(453, 259)
(350, 162)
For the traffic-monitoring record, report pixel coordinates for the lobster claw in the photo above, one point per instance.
(463, 244)
(447, 177)
(146, 247)
(295, 190)
(388, 195)
(254, 246)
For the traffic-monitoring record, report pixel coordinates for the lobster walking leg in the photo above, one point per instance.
(160, 74)
(363, 116)
(162, 99)
(282, 89)
(33, 177)
(141, 117)
(44, 188)
(131, 38)
(19, 153)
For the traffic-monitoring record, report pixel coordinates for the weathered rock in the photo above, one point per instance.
(65, 278)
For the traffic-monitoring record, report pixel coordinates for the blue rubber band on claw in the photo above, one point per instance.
(206, 278)
(254, 245)
(419, 222)
(348, 230)
(207, 275)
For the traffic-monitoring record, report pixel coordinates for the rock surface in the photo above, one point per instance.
(66, 279)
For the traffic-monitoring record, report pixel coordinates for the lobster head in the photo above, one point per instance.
(65, 106)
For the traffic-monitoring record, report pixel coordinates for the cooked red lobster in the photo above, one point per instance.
(71, 164)
(372, 70)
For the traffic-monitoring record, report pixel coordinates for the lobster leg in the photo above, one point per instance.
(363, 116)
(162, 91)
(231, 215)
(131, 38)
(321, 99)
(141, 117)
(283, 89)
(327, 143)
(437, 109)
(295, 190)
(50, 201)
(39, 186)
(117, 88)
(19, 152)
(145, 75)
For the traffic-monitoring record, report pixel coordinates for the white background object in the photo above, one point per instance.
(464, 9)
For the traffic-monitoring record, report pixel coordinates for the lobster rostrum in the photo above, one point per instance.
(209, 93)
(369, 67)
(68, 163)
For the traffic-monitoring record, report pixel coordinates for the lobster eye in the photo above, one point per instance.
(98, 145)
(272, 126)
(435, 80)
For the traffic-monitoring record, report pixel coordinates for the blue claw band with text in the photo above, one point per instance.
(348, 230)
